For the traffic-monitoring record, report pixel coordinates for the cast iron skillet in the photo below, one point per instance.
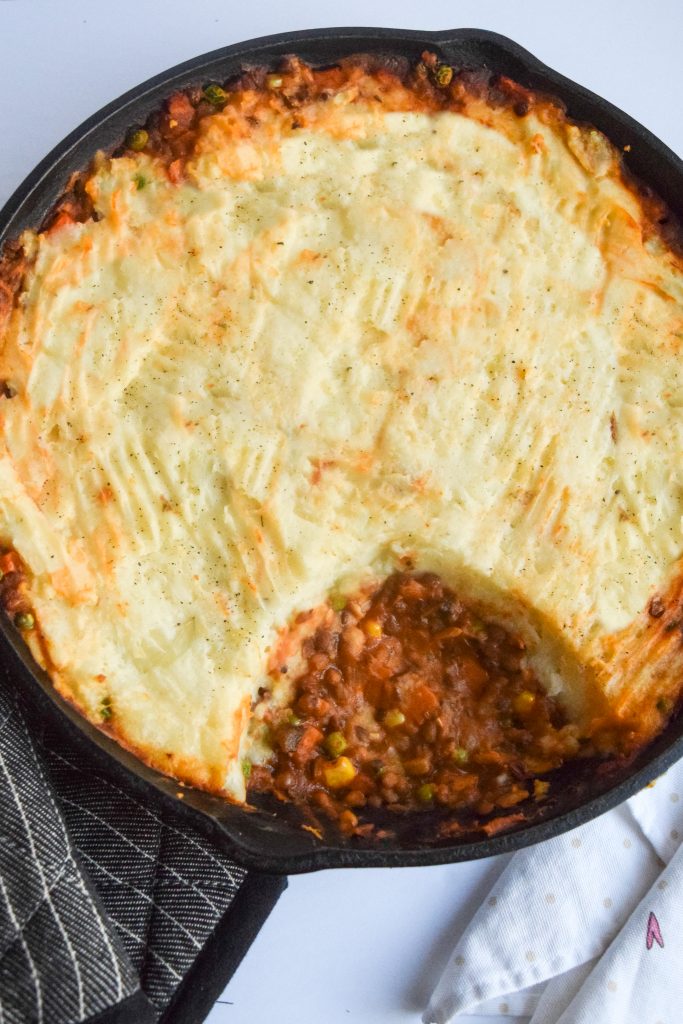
(259, 839)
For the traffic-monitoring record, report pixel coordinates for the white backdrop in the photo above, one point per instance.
(356, 947)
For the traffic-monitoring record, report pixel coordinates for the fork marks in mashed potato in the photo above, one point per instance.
(359, 317)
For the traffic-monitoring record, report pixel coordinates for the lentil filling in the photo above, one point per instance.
(407, 701)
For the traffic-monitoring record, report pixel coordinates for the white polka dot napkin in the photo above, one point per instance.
(583, 928)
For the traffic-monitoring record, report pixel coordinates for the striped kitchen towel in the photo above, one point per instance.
(110, 910)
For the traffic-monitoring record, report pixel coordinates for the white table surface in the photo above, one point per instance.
(362, 946)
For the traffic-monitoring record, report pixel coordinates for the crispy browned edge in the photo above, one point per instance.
(394, 82)
(425, 85)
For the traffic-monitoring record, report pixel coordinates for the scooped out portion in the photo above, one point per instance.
(408, 700)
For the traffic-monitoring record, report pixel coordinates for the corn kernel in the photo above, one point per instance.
(372, 628)
(340, 773)
(524, 702)
(540, 788)
(394, 718)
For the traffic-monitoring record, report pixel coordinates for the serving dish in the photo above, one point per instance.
(260, 838)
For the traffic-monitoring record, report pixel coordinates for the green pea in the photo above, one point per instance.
(443, 75)
(338, 602)
(106, 709)
(335, 744)
(425, 793)
(24, 620)
(293, 719)
(216, 95)
(460, 755)
(246, 769)
(137, 139)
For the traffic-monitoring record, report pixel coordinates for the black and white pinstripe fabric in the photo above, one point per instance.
(100, 896)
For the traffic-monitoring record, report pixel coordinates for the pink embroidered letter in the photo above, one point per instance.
(653, 932)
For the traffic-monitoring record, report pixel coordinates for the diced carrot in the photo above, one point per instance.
(488, 757)
(498, 824)
(310, 738)
(175, 171)
(515, 796)
(180, 109)
(472, 672)
(9, 562)
(419, 702)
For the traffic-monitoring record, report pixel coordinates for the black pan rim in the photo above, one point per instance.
(652, 161)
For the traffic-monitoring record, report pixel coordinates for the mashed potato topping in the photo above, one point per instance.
(372, 337)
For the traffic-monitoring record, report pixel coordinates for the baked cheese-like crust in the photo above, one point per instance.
(371, 335)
